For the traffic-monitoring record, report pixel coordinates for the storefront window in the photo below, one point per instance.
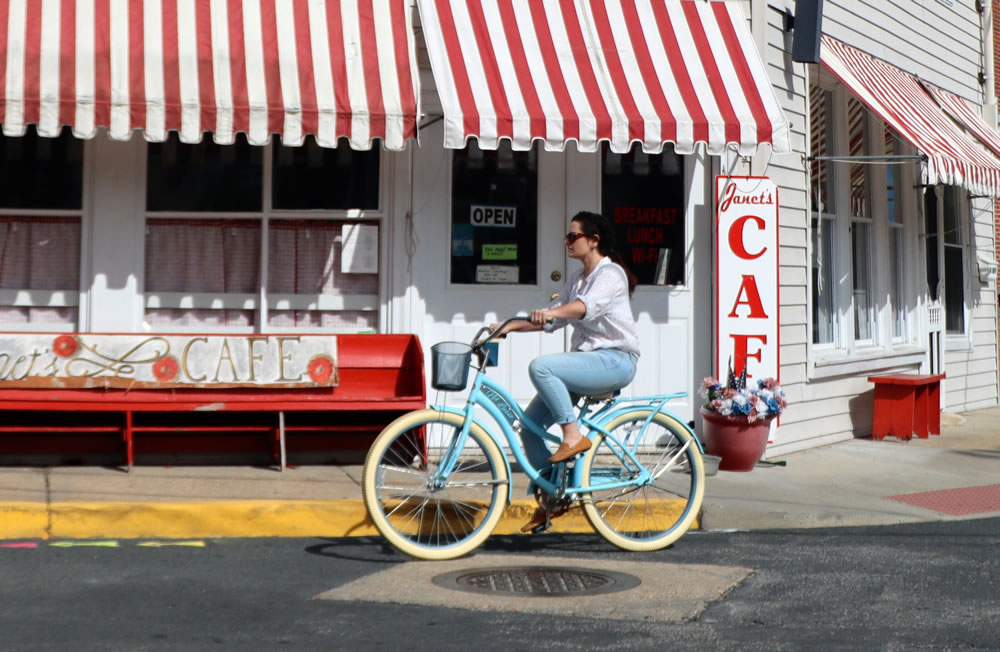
(204, 177)
(862, 204)
(895, 218)
(41, 173)
(947, 245)
(202, 257)
(824, 215)
(494, 216)
(40, 209)
(954, 265)
(208, 235)
(313, 177)
(859, 177)
(643, 194)
(326, 271)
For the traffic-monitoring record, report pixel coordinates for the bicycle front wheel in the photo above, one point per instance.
(642, 515)
(420, 511)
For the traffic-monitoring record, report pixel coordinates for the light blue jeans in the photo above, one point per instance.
(561, 379)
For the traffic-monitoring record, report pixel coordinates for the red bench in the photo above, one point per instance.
(906, 404)
(380, 378)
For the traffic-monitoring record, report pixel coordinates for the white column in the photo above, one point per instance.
(114, 220)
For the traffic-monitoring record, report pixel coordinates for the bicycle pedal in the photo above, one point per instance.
(543, 528)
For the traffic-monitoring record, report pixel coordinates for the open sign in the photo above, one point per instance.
(495, 216)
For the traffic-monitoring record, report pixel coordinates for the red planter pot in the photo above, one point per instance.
(738, 442)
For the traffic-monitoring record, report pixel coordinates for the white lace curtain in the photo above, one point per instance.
(39, 254)
(204, 257)
(223, 257)
(304, 258)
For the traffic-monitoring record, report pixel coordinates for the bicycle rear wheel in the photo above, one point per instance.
(651, 515)
(420, 513)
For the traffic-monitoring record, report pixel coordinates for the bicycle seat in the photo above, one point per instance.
(602, 397)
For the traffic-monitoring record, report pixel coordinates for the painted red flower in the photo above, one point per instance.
(65, 346)
(166, 368)
(320, 369)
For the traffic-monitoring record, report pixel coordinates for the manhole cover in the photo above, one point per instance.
(547, 581)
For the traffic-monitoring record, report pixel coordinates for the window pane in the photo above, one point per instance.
(954, 291)
(494, 215)
(41, 172)
(858, 145)
(952, 235)
(861, 268)
(305, 257)
(892, 148)
(823, 316)
(896, 282)
(821, 133)
(314, 177)
(204, 176)
(643, 194)
(931, 249)
(217, 257)
(39, 254)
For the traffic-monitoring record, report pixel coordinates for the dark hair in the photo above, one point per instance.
(595, 225)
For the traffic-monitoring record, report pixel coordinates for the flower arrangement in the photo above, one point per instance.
(764, 401)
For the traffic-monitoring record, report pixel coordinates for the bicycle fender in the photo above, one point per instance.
(500, 445)
(617, 412)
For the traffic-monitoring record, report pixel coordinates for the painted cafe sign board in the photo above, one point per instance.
(84, 360)
(746, 258)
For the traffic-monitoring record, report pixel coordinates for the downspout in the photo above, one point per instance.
(989, 73)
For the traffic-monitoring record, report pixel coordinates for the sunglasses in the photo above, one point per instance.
(572, 237)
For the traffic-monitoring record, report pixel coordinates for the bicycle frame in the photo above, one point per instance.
(509, 416)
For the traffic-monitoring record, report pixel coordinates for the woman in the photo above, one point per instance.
(604, 346)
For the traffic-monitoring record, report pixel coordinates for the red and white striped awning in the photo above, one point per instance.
(332, 69)
(952, 156)
(965, 115)
(622, 71)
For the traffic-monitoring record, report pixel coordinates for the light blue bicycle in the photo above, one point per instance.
(436, 481)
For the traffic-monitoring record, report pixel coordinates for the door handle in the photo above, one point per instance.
(556, 275)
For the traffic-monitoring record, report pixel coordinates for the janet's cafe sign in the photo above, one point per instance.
(746, 272)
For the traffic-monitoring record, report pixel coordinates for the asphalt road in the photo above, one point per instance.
(916, 586)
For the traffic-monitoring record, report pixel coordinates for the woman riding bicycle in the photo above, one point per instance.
(604, 346)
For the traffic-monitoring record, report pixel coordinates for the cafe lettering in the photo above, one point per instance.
(78, 360)
(746, 302)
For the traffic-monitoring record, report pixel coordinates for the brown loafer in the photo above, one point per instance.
(565, 451)
(538, 520)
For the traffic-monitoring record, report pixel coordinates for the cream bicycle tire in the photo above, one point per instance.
(424, 541)
(608, 515)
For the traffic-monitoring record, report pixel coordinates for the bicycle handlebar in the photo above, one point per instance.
(479, 340)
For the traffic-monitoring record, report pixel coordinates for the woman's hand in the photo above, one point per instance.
(540, 316)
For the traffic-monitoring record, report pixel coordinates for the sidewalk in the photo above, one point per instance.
(954, 475)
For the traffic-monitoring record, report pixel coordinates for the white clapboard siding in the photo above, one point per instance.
(942, 45)
(938, 43)
(789, 174)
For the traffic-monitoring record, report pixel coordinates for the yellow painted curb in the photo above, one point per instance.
(251, 518)
(24, 520)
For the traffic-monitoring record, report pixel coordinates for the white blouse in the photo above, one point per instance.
(608, 323)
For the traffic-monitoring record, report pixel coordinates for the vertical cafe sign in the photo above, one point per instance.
(746, 259)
